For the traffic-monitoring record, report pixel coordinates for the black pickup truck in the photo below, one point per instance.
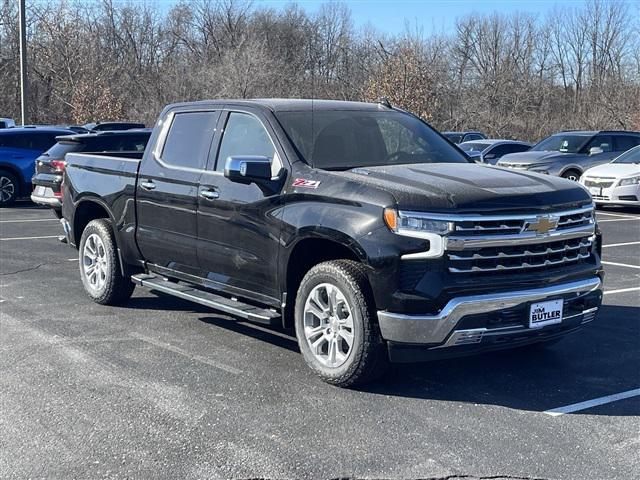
(356, 224)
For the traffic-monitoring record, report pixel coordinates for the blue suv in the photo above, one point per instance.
(19, 148)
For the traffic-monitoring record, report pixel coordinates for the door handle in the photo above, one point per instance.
(209, 194)
(147, 184)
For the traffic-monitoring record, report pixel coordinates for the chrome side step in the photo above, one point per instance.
(217, 302)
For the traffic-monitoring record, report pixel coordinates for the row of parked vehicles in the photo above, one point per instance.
(357, 225)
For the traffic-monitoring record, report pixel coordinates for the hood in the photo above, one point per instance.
(529, 157)
(469, 187)
(616, 170)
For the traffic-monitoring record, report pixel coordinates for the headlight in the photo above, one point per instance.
(630, 181)
(419, 225)
(540, 167)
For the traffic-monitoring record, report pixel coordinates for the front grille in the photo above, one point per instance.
(599, 182)
(510, 243)
(601, 197)
(518, 166)
(509, 225)
(520, 257)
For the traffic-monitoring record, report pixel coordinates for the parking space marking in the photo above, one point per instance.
(28, 238)
(621, 244)
(620, 264)
(622, 290)
(179, 351)
(31, 220)
(626, 215)
(575, 407)
(630, 219)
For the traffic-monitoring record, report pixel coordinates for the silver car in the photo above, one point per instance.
(491, 150)
(569, 154)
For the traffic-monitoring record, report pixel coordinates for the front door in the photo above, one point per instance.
(167, 190)
(238, 228)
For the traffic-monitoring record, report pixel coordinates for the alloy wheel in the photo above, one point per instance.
(94, 262)
(328, 325)
(7, 189)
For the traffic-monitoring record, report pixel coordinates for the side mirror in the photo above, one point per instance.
(595, 150)
(248, 169)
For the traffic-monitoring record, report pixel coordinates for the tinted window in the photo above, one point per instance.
(117, 143)
(605, 142)
(473, 147)
(472, 136)
(60, 149)
(244, 135)
(38, 141)
(189, 138)
(454, 137)
(565, 143)
(343, 139)
(632, 156)
(501, 150)
(10, 141)
(625, 142)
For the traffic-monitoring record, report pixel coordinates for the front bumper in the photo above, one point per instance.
(475, 319)
(617, 195)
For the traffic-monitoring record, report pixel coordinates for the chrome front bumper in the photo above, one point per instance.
(440, 330)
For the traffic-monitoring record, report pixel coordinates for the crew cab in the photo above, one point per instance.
(356, 224)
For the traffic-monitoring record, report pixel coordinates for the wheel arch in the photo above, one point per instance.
(85, 211)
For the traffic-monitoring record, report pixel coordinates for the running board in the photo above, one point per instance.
(208, 299)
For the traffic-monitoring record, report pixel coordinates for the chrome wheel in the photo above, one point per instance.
(7, 189)
(94, 262)
(328, 325)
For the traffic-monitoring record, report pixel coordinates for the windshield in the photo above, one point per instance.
(630, 156)
(569, 143)
(473, 146)
(341, 139)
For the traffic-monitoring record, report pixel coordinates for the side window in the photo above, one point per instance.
(500, 150)
(42, 141)
(603, 141)
(188, 140)
(515, 148)
(244, 134)
(625, 142)
(10, 141)
(473, 136)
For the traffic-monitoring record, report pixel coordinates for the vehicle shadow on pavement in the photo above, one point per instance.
(600, 360)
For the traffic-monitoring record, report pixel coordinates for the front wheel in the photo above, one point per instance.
(336, 326)
(571, 175)
(99, 265)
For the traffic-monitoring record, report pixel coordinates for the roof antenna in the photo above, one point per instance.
(384, 101)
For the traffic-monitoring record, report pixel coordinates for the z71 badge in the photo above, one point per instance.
(301, 182)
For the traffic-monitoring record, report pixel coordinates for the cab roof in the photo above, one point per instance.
(289, 104)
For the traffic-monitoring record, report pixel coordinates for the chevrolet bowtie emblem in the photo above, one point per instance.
(542, 224)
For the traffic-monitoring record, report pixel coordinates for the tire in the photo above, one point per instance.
(104, 283)
(9, 188)
(572, 175)
(350, 314)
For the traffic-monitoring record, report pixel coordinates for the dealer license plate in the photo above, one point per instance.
(545, 313)
(597, 191)
(39, 191)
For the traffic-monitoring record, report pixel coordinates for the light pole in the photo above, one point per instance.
(23, 59)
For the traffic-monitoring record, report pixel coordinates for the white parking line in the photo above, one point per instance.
(621, 264)
(616, 214)
(619, 220)
(28, 238)
(31, 220)
(621, 244)
(179, 351)
(622, 290)
(593, 403)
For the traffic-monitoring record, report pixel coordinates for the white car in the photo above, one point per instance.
(615, 183)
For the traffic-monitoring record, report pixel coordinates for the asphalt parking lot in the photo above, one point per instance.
(165, 388)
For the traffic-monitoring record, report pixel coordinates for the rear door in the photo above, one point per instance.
(167, 189)
(238, 228)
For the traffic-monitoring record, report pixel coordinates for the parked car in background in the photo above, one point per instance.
(75, 128)
(19, 148)
(615, 183)
(51, 164)
(105, 126)
(491, 150)
(569, 154)
(7, 123)
(459, 137)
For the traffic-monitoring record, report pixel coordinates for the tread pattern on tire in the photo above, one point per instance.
(118, 289)
(371, 361)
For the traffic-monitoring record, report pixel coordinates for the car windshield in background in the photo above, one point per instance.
(454, 137)
(60, 149)
(473, 147)
(562, 143)
(630, 156)
(345, 139)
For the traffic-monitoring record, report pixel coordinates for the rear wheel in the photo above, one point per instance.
(571, 175)
(99, 265)
(9, 189)
(336, 324)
